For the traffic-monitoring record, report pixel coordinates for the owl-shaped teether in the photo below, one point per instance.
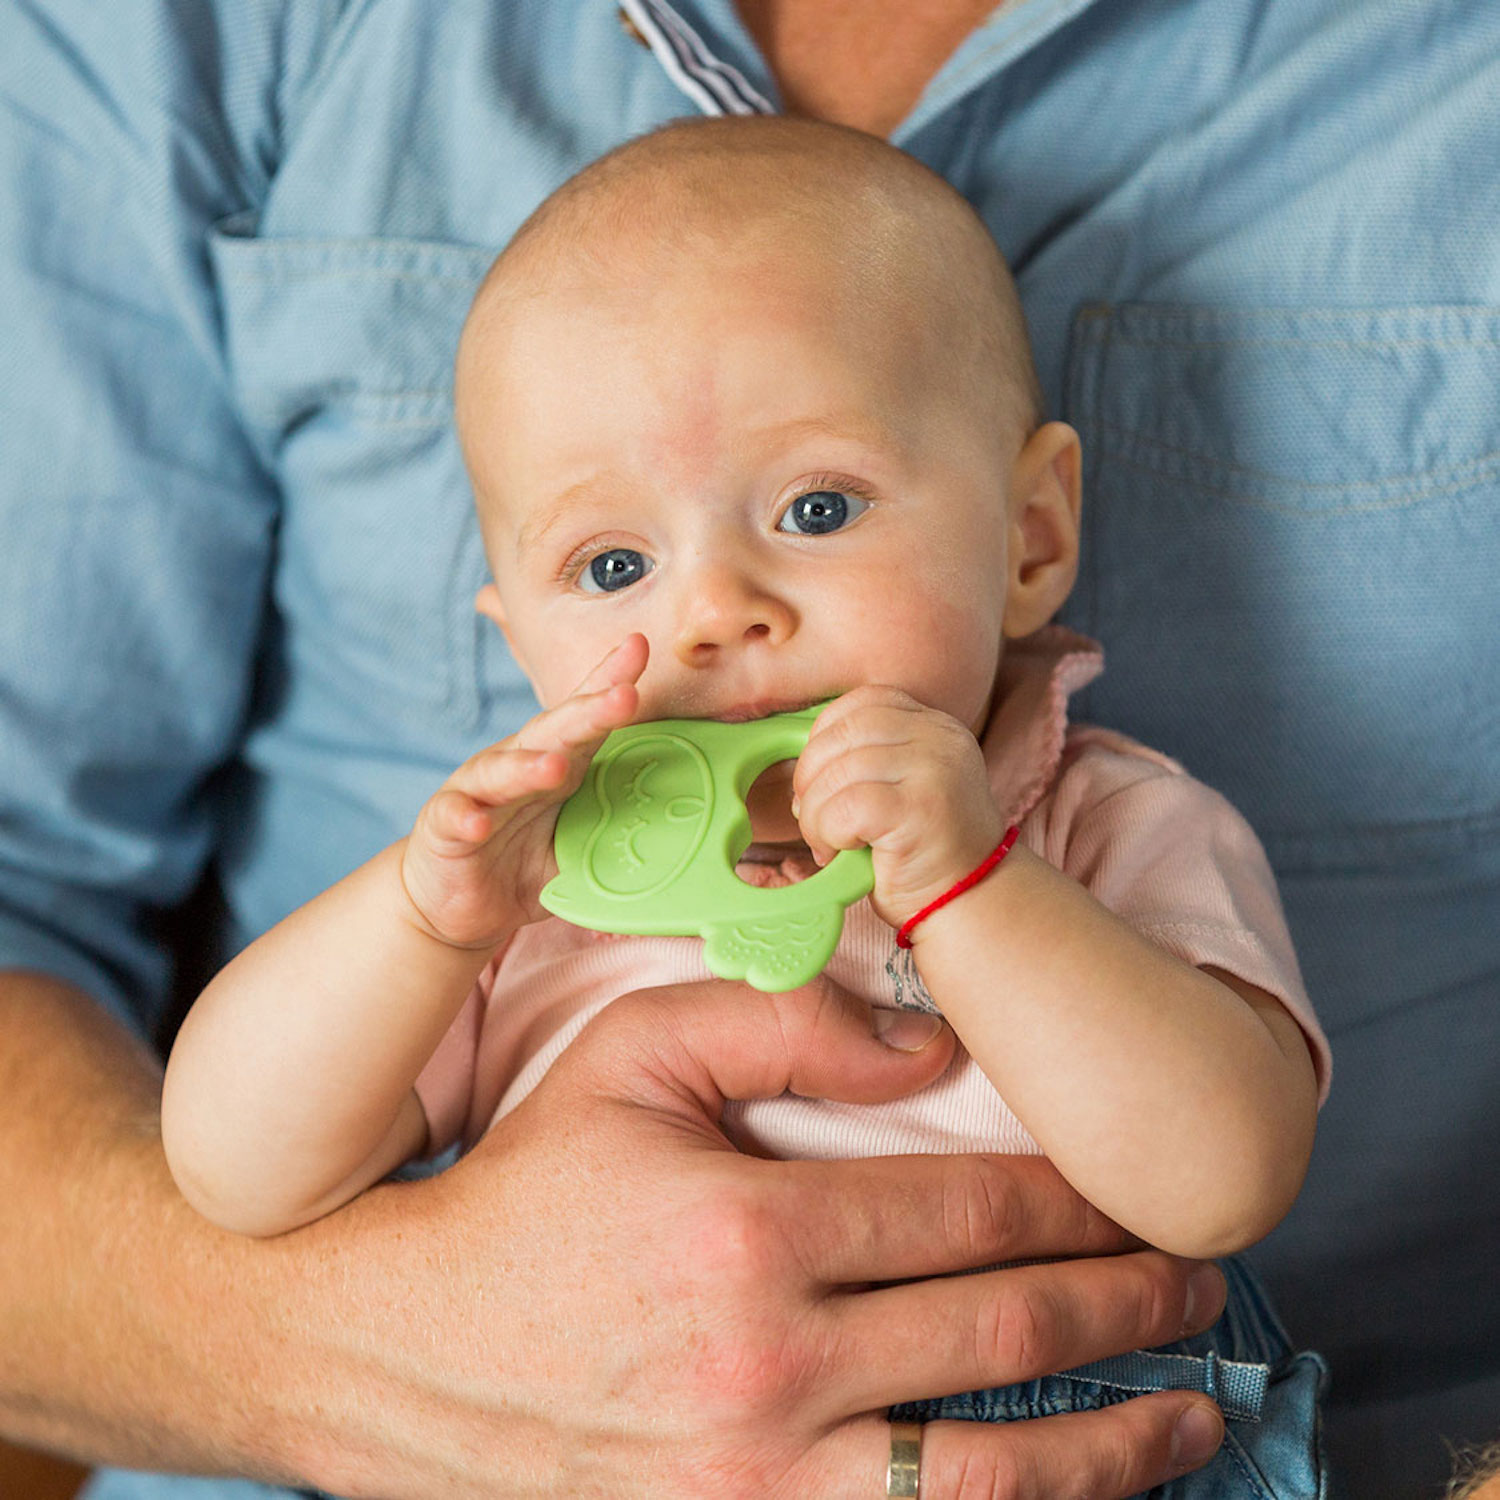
(649, 842)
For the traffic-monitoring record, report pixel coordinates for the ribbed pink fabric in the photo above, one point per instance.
(1164, 852)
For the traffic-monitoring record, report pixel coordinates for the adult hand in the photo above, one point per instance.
(603, 1298)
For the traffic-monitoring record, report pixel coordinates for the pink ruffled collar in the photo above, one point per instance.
(1023, 742)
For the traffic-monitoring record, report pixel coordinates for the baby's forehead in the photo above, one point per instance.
(795, 203)
(772, 268)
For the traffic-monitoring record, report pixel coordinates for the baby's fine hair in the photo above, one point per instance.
(690, 187)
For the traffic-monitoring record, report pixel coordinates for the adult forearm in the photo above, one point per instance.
(133, 1332)
(117, 1303)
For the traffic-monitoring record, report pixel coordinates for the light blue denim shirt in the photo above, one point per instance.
(1259, 242)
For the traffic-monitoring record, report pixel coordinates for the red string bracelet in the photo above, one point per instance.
(983, 868)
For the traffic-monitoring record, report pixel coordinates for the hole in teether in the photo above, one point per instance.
(776, 853)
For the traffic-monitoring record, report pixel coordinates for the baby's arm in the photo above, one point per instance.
(290, 1087)
(1179, 1100)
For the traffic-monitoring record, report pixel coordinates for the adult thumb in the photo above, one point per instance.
(724, 1041)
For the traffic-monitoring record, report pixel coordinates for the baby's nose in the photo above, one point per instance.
(724, 608)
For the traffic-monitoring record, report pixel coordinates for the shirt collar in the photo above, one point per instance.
(1023, 741)
(681, 35)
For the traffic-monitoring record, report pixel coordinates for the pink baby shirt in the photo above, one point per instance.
(1162, 851)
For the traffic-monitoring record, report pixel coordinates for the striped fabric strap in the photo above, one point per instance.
(714, 86)
(1239, 1388)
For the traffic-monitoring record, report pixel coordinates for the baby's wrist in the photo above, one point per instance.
(467, 925)
(916, 923)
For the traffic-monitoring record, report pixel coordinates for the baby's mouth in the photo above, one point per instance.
(763, 708)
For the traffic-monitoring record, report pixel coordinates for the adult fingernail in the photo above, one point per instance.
(1196, 1437)
(906, 1030)
(1205, 1293)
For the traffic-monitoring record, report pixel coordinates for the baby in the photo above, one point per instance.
(751, 421)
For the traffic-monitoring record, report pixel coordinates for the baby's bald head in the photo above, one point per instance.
(706, 197)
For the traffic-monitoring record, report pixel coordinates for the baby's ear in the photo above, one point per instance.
(488, 602)
(1045, 496)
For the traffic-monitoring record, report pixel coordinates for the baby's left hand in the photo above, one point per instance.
(881, 769)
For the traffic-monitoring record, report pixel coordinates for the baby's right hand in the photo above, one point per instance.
(481, 849)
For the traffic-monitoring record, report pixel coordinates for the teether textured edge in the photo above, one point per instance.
(774, 955)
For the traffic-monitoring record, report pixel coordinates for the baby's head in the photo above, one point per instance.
(761, 391)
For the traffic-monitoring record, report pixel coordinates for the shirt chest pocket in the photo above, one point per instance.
(1292, 542)
(342, 353)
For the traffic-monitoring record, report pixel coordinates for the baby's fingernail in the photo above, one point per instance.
(1196, 1437)
(796, 807)
(905, 1030)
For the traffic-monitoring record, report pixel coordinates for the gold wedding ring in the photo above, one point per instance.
(903, 1476)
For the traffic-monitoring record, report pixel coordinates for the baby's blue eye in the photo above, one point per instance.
(614, 570)
(821, 511)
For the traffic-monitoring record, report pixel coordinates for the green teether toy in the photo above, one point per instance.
(649, 842)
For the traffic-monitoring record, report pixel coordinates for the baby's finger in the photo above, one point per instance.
(453, 821)
(812, 823)
(881, 764)
(624, 663)
(884, 723)
(854, 816)
(493, 781)
(852, 800)
(606, 699)
(577, 726)
(871, 696)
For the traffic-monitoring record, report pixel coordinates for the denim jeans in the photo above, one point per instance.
(1270, 1396)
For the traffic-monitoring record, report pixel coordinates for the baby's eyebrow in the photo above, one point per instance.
(560, 508)
(855, 427)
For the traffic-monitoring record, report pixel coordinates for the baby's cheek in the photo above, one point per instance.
(950, 671)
